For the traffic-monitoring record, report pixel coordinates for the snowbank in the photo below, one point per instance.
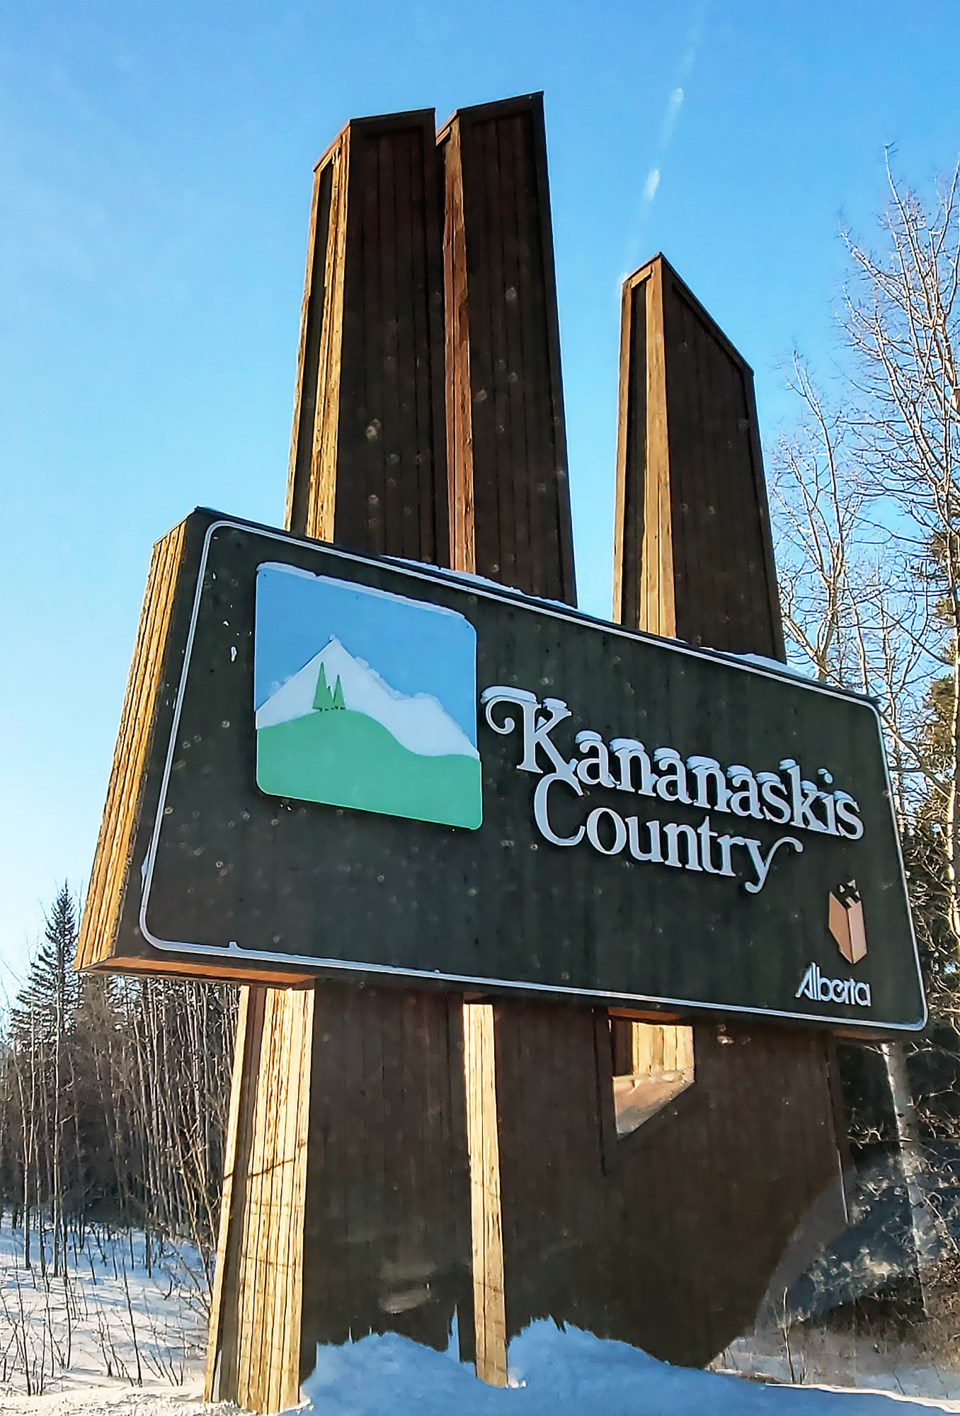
(560, 1373)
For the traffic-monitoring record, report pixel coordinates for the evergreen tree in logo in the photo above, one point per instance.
(323, 698)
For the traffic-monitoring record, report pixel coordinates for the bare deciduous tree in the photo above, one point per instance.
(866, 502)
(902, 323)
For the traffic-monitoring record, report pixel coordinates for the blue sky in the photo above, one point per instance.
(156, 166)
(414, 648)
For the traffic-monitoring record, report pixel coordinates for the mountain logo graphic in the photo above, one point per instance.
(365, 699)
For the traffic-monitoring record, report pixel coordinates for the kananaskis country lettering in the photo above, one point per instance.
(784, 798)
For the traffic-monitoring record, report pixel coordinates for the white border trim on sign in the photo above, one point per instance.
(487, 590)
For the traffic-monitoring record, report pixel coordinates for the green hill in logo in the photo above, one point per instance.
(348, 759)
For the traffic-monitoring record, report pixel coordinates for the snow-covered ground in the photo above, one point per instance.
(566, 1373)
(553, 1373)
(815, 1354)
(117, 1399)
(114, 1339)
(118, 1316)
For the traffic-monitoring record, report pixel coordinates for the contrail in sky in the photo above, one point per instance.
(671, 114)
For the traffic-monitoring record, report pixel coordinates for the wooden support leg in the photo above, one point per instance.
(258, 1289)
(509, 514)
(578, 1213)
(483, 1143)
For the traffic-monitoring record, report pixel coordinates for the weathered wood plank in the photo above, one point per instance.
(570, 1239)
(261, 1221)
(688, 443)
(134, 741)
(458, 382)
(483, 1144)
(366, 370)
(307, 385)
(510, 518)
(217, 1350)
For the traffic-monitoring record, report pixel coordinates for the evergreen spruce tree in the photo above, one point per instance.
(113, 1097)
(338, 694)
(44, 1006)
(40, 1027)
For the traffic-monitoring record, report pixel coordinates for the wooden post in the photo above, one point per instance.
(346, 1203)
(693, 556)
(693, 559)
(641, 1237)
(509, 504)
(367, 453)
(506, 433)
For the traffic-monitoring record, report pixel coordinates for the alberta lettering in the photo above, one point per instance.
(813, 985)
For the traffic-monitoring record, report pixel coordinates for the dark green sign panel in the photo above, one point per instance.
(383, 768)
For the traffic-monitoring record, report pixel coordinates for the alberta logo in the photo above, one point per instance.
(846, 922)
(365, 699)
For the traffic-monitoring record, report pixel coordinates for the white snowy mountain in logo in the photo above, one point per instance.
(419, 723)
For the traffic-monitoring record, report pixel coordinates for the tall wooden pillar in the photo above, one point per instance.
(346, 1201)
(693, 556)
(667, 1237)
(506, 434)
(367, 455)
(693, 559)
(510, 521)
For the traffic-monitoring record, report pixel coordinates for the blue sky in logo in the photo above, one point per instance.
(414, 647)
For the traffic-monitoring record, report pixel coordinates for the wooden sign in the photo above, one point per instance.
(357, 764)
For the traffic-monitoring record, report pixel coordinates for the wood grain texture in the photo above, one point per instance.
(506, 439)
(693, 558)
(667, 1237)
(111, 939)
(459, 404)
(368, 445)
(698, 563)
(483, 1143)
(135, 741)
(509, 515)
(258, 1290)
(386, 1243)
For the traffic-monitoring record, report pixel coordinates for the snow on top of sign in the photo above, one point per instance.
(757, 661)
(470, 577)
(356, 586)
(775, 665)
(419, 722)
